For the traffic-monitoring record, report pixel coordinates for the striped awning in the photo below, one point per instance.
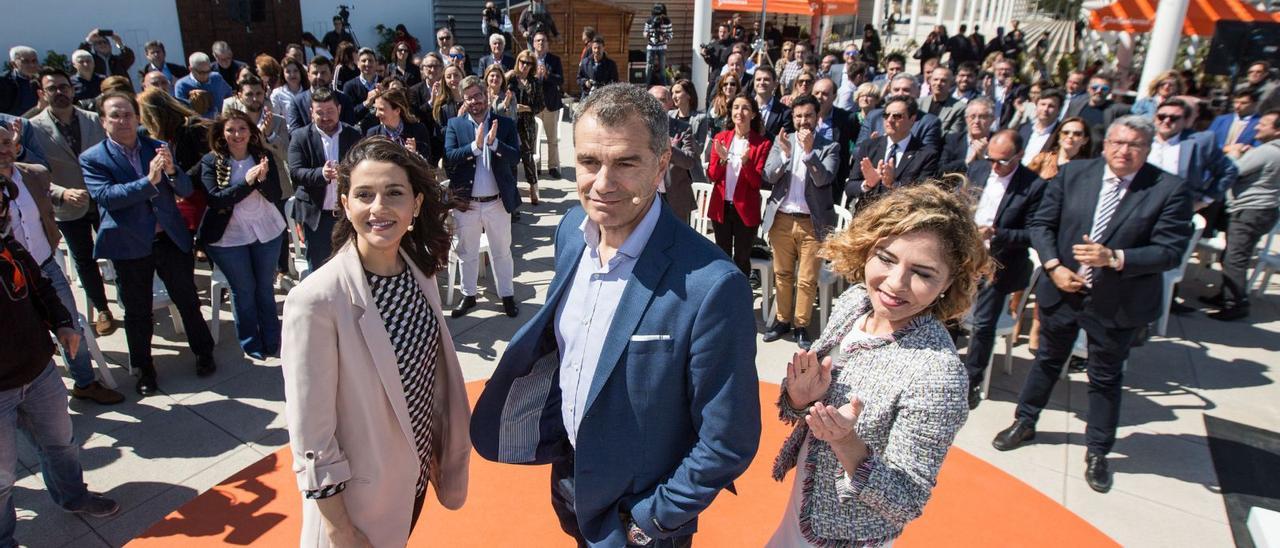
(795, 7)
(1138, 16)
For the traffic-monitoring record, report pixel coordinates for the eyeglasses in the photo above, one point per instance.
(60, 88)
(983, 116)
(1002, 163)
(895, 116)
(431, 65)
(1169, 117)
(444, 38)
(1127, 144)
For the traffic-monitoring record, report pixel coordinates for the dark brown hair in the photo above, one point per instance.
(218, 142)
(428, 243)
(400, 100)
(756, 125)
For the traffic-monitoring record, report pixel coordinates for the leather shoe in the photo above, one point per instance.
(554, 174)
(147, 385)
(1179, 308)
(205, 366)
(802, 338)
(464, 306)
(1230, 313)
(1013, 436)
(104, 324)
(98, 393)
(1216, 300)
(1097, 474)
(509, 307)
(777, 331)
(975, 396)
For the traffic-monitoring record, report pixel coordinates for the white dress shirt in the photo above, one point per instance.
(484, 184)
(992, 195)
(28, 230)
(253, 219)
(737, 154)
(902, 147)
(1109, 179)
(1035, 143)
(586, 311)
(330, 155)
(1164, 154)
(794, 201)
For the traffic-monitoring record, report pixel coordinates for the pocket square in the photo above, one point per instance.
(642, 338)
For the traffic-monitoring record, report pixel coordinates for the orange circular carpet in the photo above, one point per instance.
(974, 504)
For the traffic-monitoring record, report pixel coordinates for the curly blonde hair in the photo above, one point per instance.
(930, 207)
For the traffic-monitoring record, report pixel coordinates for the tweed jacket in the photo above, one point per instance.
(913, 388)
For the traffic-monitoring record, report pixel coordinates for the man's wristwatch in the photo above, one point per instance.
(636, 535)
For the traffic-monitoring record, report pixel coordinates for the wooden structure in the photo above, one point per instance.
(611, 20)
(250, 27)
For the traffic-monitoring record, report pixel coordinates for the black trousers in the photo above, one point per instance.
(176, 269)
(735, 237)
(562, 501)
(1244, 229)
(527, 128)
(1108, 350)
(79, 236)
(986, 316)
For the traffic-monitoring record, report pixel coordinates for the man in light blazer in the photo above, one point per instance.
(65, 131)
(942, 103)
(801, 168)
(1006, 196)
(637, 380)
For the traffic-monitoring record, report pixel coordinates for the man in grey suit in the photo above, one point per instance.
(801, 167)
(677, 186)
(942, 103)
(63, 132)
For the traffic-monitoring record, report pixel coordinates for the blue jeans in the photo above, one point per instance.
(40, 410)
(319, 241)
(655, 64)
(251, 272)
(80, 366)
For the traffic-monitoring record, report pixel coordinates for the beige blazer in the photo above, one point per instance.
(346, 410)
(64, 162)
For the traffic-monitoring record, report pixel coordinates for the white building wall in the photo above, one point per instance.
(61, 25)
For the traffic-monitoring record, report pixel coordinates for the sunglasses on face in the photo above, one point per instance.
(457, 56)
(1169, 117)
(1002, 163)
(522, 62)
(895, 116)
(1100, 87)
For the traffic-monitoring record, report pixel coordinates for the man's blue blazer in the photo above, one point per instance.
(673, 413)
(129, 205)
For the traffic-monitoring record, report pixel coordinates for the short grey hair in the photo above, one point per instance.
(18, 51)
(1134, 122)
(915, 85)
(220, 47)
(80, 54)
(495, 37)
(981, 101)
(198, 58)
(616, 104)
(472, 82)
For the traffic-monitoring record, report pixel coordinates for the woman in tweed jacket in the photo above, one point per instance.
(874, 419)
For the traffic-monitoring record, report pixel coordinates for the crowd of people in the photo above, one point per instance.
(948, 179)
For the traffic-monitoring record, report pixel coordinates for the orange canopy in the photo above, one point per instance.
(1136, 16)
(796, 7)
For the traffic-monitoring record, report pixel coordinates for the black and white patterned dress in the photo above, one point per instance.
(415, 334)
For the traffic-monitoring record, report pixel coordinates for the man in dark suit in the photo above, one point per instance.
(837, 125)
(942, 103)
(1240, 126)
(927, 129)
(1076, 96)
(361, 89)
(18, 84)
(637, 380)
(1003, 91)
(801, 168)
(1101, 111)
(893, 159)
(677, 186)
(480, 148)
(597, 69)
(961, 49)
(134, 181)
(773, 114)
(1008, 194)
(962, 148)
(1037, 132)
(315, 150)
(156, 62)
(497, 54)
(105, 61)
(1106, 230)
(320, 74)
(551, 71)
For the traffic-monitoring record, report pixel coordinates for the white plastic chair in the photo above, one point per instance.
(455, 265)
(764, 266)
(699, 220)
(217, 288)
(1268, 263)
(1174, 275)
(828, 280)
(1005, 328)
(298, 266)
(89, 339)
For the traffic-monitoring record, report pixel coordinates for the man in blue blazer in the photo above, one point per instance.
(1007, 195)
(315, 150)
(637, 380)
(133, 180)
(1239, 127)
(480, 150)
(320, 74)
(927, 129)
(1191, 155)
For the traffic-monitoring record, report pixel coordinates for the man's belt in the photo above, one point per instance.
(483, 199)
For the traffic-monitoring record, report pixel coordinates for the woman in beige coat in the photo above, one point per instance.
(374, 395)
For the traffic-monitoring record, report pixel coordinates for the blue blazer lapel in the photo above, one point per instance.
(649, 269)
(1186, 153)
(122, 163)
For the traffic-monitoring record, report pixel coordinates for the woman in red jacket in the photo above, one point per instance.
(737, 162)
